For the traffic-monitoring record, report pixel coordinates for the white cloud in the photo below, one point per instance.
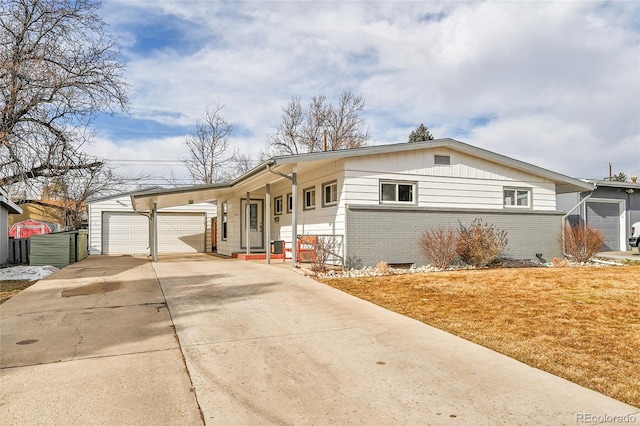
(555, 82)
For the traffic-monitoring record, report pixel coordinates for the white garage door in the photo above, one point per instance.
(128, 233)
(181, 233)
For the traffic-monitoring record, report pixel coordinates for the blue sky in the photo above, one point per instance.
(556, 84)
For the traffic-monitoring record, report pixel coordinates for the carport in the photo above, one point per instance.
(256, 181)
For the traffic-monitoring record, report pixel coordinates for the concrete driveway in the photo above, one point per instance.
(94, 344)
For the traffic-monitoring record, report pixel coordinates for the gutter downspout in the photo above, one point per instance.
(564, 218)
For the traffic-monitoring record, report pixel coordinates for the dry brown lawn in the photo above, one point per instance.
(10, 288)
(582, 324)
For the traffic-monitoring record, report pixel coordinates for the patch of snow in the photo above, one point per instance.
(31, 273)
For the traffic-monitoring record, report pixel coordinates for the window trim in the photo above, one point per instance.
(289, 202)
(397, 183)
(333, 183)
(305, 191)
(277, 212)
(515, 190)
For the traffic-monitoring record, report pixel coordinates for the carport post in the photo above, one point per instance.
(267, 225)
(154, 230)
(247, 228)
(294, 217)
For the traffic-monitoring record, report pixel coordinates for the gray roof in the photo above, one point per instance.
(7, 204)
(563, 183)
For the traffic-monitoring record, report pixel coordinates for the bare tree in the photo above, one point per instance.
(77, 187)
(58, 69)
(208, 147)
(303, 130)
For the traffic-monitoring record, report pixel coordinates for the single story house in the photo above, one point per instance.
(610, 206)
(376, 201)
(115, 228)
(7, 207)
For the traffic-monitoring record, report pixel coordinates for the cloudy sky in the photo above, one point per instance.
(556, 84)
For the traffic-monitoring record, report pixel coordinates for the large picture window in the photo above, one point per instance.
(397, 192)
(329, 194)
(309, 198)
(517, 197)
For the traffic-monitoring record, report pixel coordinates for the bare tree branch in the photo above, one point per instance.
(304, 129)
(58, 69)
(208, 147)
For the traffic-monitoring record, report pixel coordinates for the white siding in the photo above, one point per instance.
(469, 182)
(122, 204)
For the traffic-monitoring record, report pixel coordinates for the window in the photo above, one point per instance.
(277, 205)
(309, 198)
(397, 192)
(289, 203)
(519, 198)
(442, 160)
(224, 221)
(329, 194)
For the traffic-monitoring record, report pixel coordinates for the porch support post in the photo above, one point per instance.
(294, 216)
(154, 232)
(247, 210)
(267, 225)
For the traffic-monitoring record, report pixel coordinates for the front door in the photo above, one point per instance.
(256, 237)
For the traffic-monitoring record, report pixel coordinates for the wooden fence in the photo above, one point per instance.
(19, 250)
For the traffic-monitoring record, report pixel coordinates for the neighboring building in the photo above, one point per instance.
(29, 227)
(50, 212)
(114, 228)
(377, 201)
(7, 208)
(611, 206)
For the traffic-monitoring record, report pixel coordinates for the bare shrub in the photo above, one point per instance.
(582, 242)
(324, 250)
(439, 245)
(383, 268)
(560, 263)
(480, 243)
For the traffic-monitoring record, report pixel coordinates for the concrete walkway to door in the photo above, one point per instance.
(266, 345)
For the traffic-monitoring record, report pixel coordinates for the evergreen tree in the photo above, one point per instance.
(421, 133)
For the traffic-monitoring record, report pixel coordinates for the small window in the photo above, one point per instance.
(397, 192)
(224, 221)
(278, 205)
(442, 160)
(309, 198)
(519, 198)
(289, 203)
(329, 194)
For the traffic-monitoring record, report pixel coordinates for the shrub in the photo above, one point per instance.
(480, 243)
(383, 268)
(324, 250)
(439, 246)
(582, 242)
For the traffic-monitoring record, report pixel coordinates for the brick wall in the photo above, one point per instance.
(390, 233)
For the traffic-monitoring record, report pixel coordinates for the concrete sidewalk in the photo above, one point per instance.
(93, 344)
(265, 345)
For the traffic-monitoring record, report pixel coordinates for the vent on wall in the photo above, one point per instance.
(442, 160)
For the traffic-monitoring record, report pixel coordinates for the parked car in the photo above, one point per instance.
(634, 240)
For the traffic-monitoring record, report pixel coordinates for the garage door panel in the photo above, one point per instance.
(181, 233)
(128, 233)
(124, 234)
(606, 217)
